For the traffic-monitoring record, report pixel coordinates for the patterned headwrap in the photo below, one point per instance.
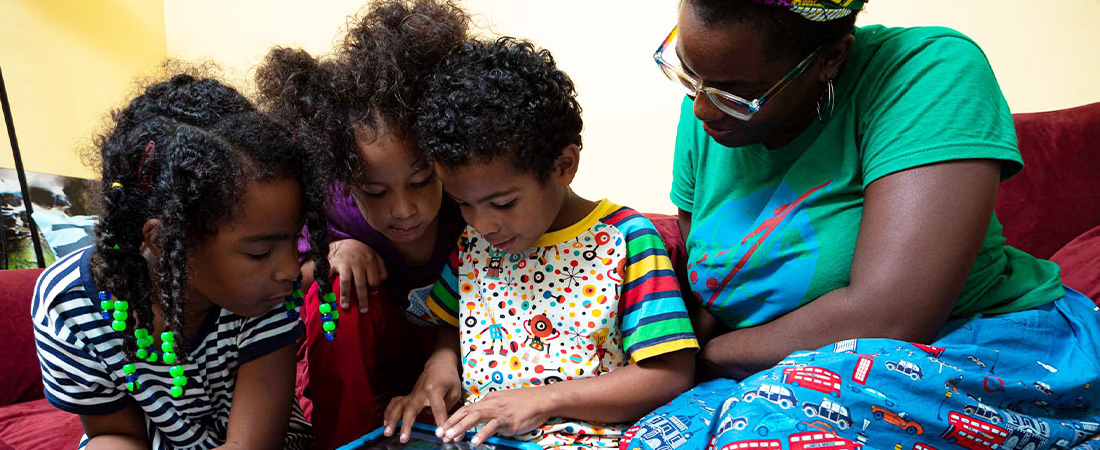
(818, 10)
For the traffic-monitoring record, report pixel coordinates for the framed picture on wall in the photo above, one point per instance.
(63, 213)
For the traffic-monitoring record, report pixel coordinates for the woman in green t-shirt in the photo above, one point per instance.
(835, 188)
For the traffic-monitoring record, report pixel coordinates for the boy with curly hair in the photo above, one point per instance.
(569, 313)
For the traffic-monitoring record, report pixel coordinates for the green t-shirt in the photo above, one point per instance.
(775, 229)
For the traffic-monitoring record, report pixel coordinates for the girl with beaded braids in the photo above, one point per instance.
(176, 329)
(392, 227)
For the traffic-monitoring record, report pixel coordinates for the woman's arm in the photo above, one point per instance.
(124, 429)
(262, 400)
(920, 233)
(706, 326)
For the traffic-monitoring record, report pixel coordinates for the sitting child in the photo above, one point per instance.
(177, 328)
(569, 313)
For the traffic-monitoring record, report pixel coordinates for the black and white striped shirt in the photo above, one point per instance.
(82, 359)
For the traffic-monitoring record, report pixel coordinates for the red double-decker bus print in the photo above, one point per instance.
(815, 378)
(821, 439)
(863, 368)
(764, 444)
(971, 433)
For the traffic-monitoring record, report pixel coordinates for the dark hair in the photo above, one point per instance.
(197, 144)
(787, 33)
(374, 79)
(499, 98)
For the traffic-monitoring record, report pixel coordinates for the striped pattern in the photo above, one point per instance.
(443, 300)
(81, 361)
(654, 320)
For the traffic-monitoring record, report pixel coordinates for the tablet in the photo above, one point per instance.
(423, 437)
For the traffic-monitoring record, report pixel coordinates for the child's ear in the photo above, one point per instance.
(567, 164)
(150, 232)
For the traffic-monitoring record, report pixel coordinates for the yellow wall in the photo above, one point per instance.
(1046, 55)
(65, 64)
(1045, 58)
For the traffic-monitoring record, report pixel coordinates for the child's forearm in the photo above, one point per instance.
(625, 394)
(116, 441)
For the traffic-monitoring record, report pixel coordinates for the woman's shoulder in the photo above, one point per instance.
(879, 49)
(878, 37)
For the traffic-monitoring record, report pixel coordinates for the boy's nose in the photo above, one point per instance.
(485, 224)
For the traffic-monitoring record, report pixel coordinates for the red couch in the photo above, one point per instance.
(1051, 210)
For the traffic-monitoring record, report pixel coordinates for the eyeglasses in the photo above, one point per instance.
(730, 104)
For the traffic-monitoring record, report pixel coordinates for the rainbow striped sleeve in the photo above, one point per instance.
(653, 317)
(443, 300)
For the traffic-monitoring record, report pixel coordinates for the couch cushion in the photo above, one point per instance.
(1080, 262)
(19, 373)
(1056, 197)
(38, 425)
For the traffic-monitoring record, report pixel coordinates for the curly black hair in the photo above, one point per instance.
(788, 34)
(184, 151)
(372, 82)
(499, 98)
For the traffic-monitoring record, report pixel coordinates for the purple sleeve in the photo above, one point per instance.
(343, 218)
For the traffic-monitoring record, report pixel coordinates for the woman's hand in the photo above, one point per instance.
(356, 263)
(438, 388)
(508, 412)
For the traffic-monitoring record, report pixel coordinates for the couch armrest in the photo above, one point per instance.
(20, 375)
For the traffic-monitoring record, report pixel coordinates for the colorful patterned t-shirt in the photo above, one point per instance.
(582, 301)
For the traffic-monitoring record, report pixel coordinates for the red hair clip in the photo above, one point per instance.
(146, 156)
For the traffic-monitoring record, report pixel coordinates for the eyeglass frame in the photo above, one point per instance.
(753, 106)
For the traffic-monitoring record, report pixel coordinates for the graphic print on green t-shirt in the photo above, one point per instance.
(784, 239)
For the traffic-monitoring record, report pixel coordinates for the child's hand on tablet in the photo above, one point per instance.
(438, 388)
(509, 412)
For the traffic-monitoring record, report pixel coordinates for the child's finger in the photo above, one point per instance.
(361, 291)
(377, 272)
(452, 422)
(439, 410)
(407, 420)
(392, 414)
(345, 283)
(458, 431)
(486, 432)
